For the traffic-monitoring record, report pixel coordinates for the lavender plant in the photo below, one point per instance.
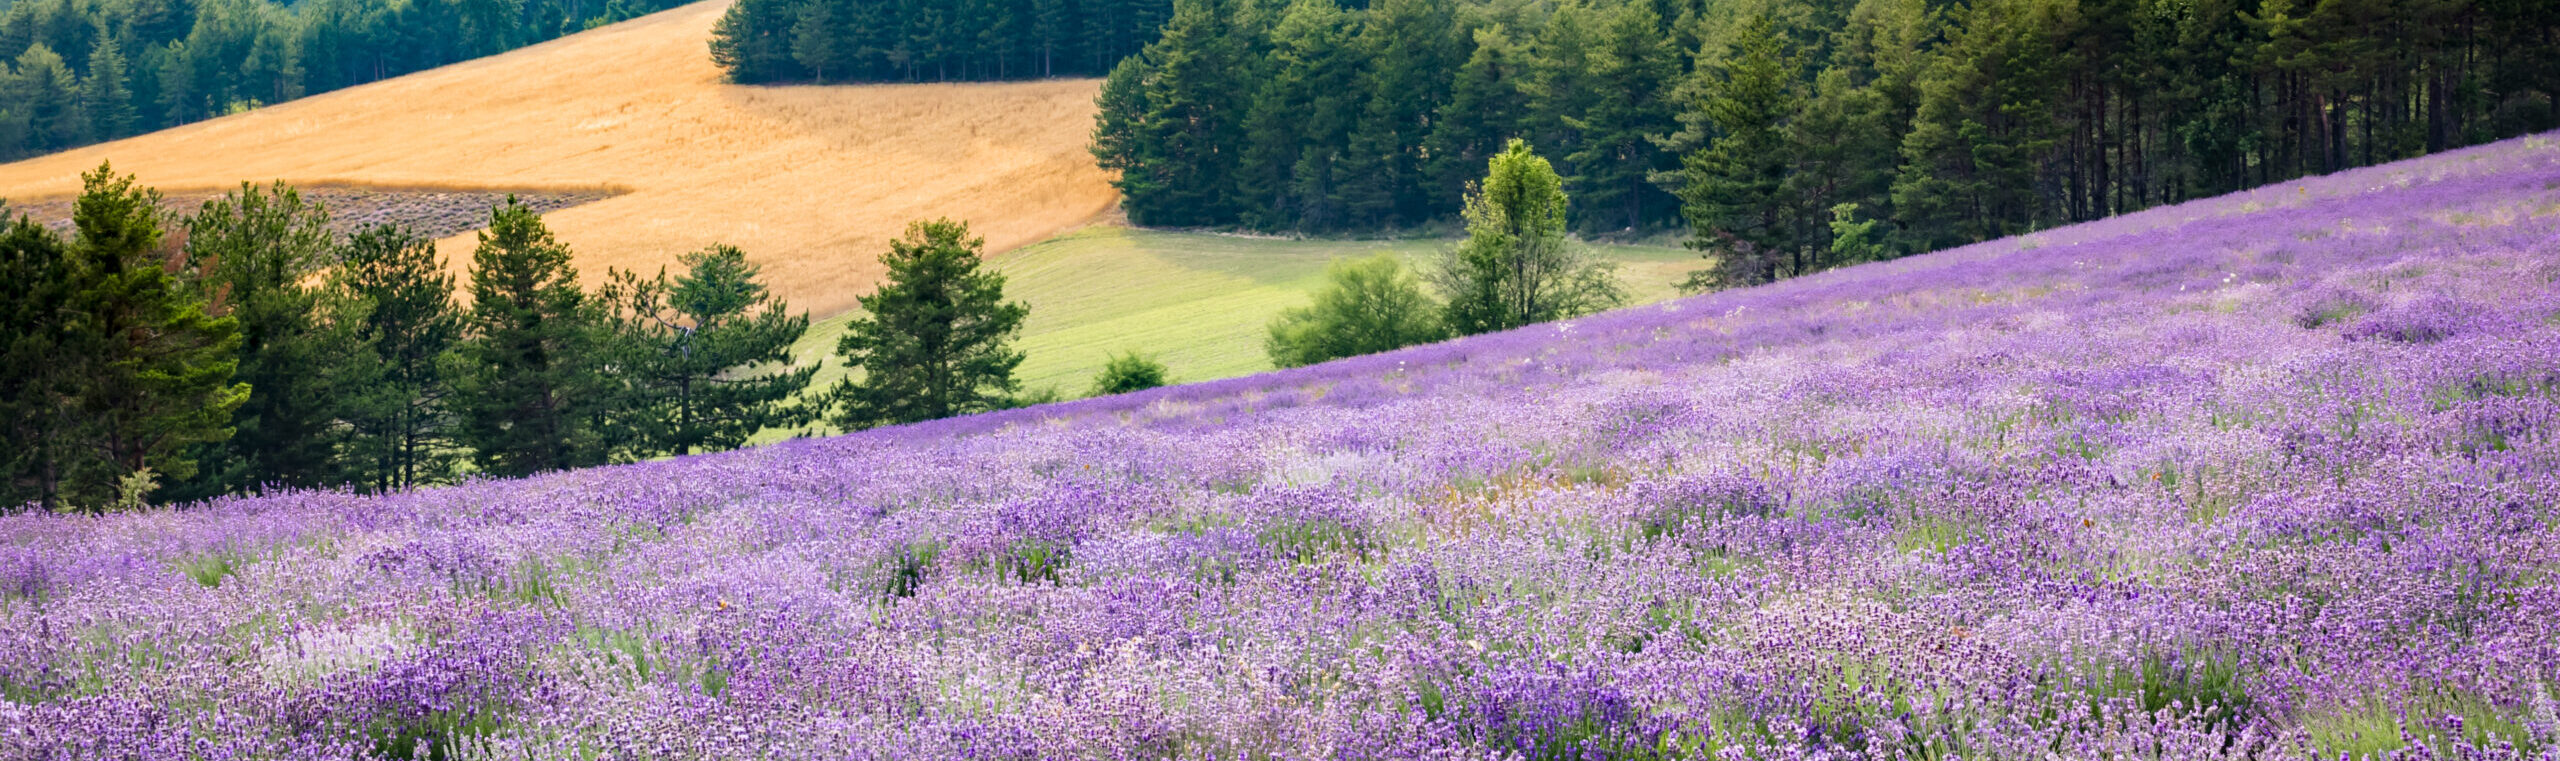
(2266, 476)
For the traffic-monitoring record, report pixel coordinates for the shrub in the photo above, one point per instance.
(1367, 306)
(1128, 372)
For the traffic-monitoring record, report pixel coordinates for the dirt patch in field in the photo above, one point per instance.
(432, 213)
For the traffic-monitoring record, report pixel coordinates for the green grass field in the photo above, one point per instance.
(1198, 302)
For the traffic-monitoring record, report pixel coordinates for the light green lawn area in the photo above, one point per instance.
(1198, 302)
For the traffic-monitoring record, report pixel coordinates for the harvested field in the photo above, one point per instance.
(811, 181)
(433, 213)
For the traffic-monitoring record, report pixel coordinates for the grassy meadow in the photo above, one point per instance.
(1197, 301)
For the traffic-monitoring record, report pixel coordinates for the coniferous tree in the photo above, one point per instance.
(48, 95)
(1516, 267)
(106, 95)
(1414, 47)
(1618, 155)
(154, 367)
(1734, 191)
(708, 355)
(1486, 103)
(935, 340)
(255, 251)
(179, 101)
(1300, 117)
(36, 281)
(402, 434)
(1985, 125)
(820, 44)
(528, 385)
(1193, 118)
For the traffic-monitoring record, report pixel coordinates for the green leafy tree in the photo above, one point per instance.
(1367, 306)
(1515, 267)
(154, 368)
(1128, 372)
(257, 250)
(936, 338)
(401, 430)
(708, 354)
(528, 385)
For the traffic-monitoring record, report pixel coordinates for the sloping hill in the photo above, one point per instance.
(809, 180)
(2270, 476)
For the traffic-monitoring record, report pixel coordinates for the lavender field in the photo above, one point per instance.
(2268, 476)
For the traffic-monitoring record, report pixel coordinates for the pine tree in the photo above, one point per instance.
(36, 281)
(708, 354)
(402, 433)
(1557, 81)
(935, 340)
(1734, 191)
(1054, 28)
(1196, 114)
(106, 95)
(753, 41)
(154, 367)
(1414, 50)
(50, 95)
(254, 250)
(179, 101)
(1486, 109)
(1617, 156)
(1985, 126)
(1515, 267)
(1122, 142)
(527, 388)
(1300, 120)
(817, 41)
(1187, 122)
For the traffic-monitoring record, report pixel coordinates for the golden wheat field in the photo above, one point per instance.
(810, 180)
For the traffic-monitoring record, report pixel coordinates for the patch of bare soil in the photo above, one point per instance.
(432, 213)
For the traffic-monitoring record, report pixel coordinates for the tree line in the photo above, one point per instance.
(929, 40)
(1791, 135)
(83, 71)
(247, 346)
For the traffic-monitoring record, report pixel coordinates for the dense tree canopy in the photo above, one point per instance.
(929, 40)
(1758, 124)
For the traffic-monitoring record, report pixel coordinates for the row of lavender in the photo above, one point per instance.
(2272, 475)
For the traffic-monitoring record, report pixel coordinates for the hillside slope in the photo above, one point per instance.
(2270, 476)
(809, 180)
